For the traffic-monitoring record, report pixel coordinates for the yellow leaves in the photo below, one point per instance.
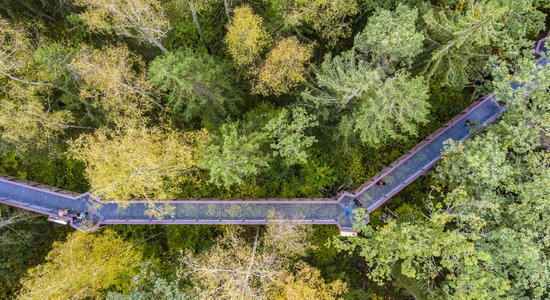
(140, 19)
(26, 124)
(138, 161)
(111, 83)
(307, 284)
(246, 37)
(284, 67)
(81, 267)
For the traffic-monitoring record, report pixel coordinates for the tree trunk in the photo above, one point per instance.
(197, 24)
(227, 8)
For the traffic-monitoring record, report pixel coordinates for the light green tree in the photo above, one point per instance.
(288, 131)
(462, 40)
(392, 110)
(484, 235)
(25, 124)
(82, 267)
(234, 155)
(341, 80)
(330, 19)
(196, 84)
(391, 37)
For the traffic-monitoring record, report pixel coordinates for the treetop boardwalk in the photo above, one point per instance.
(338, 211)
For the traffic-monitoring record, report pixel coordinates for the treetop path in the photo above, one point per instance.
(92, 212)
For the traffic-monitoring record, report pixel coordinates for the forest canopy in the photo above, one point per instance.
(182, 99)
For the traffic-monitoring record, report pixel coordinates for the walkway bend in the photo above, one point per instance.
(338, 211)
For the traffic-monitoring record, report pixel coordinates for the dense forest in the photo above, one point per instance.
(174, 99)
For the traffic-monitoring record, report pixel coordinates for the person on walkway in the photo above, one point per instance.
(381, 182)
(78, 217)
(63, 212)
(357, 203)
(470, 123)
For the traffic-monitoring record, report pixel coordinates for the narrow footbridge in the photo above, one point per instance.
(338, 211)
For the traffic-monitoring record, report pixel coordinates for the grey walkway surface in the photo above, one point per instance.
(339, 211)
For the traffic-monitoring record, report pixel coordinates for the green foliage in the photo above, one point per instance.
(393, 110)
(196, 84)
(465, 38)
(234, 155)
(380, 108)
(391, 37)
(330, 19)
(288, 132)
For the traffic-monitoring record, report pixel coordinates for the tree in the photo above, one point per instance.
(392, 110)
(196, 84)
(380, 107)
(235, 267)
(109, 81)
(287, 130)
(16, 57)
(143, 20)
(233, 156)
(150, 286)
(82, 267)
(307, 284)
(427, 259)
(138, 161)
(330, 19)
(499, 175)
(254, 265)
(484, 235)
(462, 40)
(246, 37)
(341, 80)
(391, 37)
(284, 67)
(25, 124)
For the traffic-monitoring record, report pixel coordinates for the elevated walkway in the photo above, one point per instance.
(338, 211)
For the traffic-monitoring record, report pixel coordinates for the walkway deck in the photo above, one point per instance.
(338, 211)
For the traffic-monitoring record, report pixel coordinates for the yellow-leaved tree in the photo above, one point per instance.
(284, 67)
(110, 82)
(143, 20)
(82, 267)
(246, 37)
(307, 284)
(138, 162)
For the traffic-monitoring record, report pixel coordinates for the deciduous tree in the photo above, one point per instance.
(138, 161)
(307, 284)
(143, 20)
(246, 38)
(284, 67)
(81, 267)
(331, 19)
(109, 81)
(25, 124)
